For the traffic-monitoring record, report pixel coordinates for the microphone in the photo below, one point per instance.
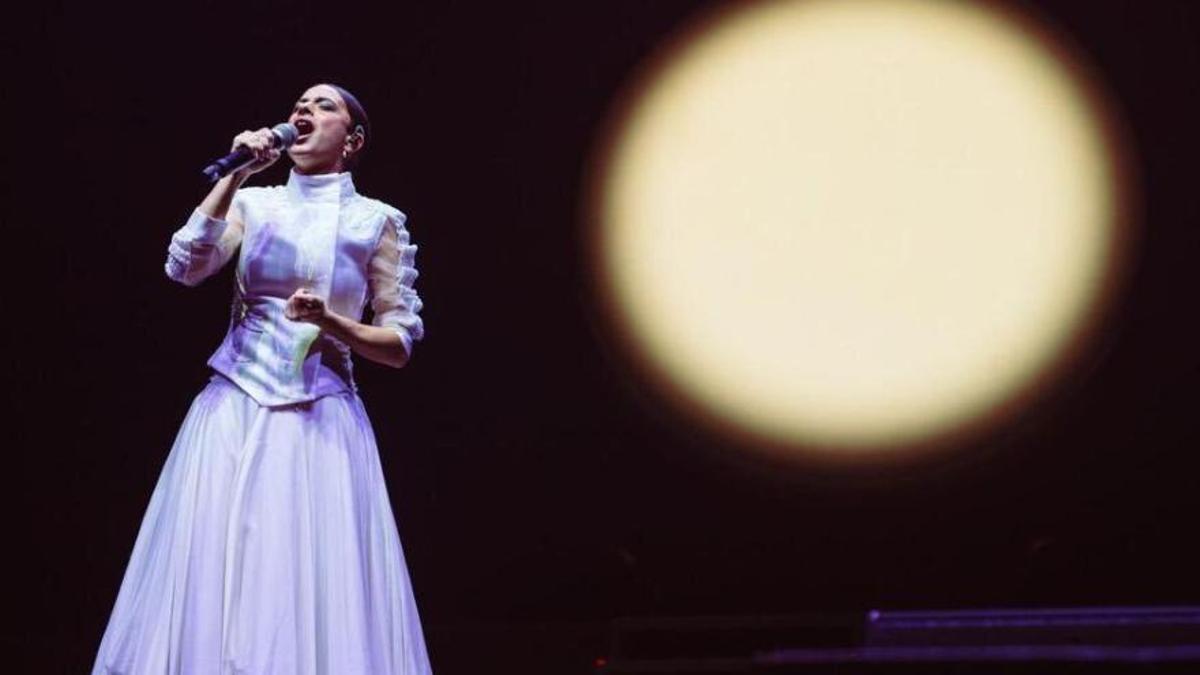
(282, 137)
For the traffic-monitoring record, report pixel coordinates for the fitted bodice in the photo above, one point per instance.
(318, 233)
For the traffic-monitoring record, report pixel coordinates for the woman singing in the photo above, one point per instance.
(269, 545)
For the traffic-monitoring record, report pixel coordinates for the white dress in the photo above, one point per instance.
(269, 546)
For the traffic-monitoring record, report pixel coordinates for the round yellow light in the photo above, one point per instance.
(857, 225)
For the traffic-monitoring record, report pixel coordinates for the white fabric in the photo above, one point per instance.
(315, 232)
(268, 548)
(392, 272)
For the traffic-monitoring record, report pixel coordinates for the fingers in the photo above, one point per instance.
(254, 140)
(310, 304)
(297, 312)
(260, 142)
(305, 306)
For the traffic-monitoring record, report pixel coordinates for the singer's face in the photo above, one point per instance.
(324, 123)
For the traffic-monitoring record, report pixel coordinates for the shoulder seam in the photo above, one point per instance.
(387, 210)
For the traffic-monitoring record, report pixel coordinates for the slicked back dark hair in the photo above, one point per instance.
(358, 118)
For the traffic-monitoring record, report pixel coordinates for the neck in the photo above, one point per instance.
(319, 169)
(327, 187)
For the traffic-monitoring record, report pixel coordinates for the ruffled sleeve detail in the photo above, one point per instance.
(391, 274)
(201, 247)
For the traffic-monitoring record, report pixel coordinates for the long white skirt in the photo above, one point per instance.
(268, 548)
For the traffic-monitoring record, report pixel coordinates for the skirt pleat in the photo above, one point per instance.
(268, 548)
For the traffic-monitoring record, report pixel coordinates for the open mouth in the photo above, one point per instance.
(305, 127)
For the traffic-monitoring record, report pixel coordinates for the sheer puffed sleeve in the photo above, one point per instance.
(202, 246)
(391, 273)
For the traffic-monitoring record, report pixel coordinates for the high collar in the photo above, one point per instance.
(326, 187)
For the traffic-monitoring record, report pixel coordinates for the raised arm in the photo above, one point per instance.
(209, 238)
(214, 231)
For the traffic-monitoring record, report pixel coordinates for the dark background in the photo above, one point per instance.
(541, 490)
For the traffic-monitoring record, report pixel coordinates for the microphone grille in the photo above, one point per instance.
(287, 134)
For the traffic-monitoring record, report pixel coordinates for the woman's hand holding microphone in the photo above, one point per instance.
(261, 143)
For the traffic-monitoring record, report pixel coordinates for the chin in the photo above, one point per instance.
(306, 164)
